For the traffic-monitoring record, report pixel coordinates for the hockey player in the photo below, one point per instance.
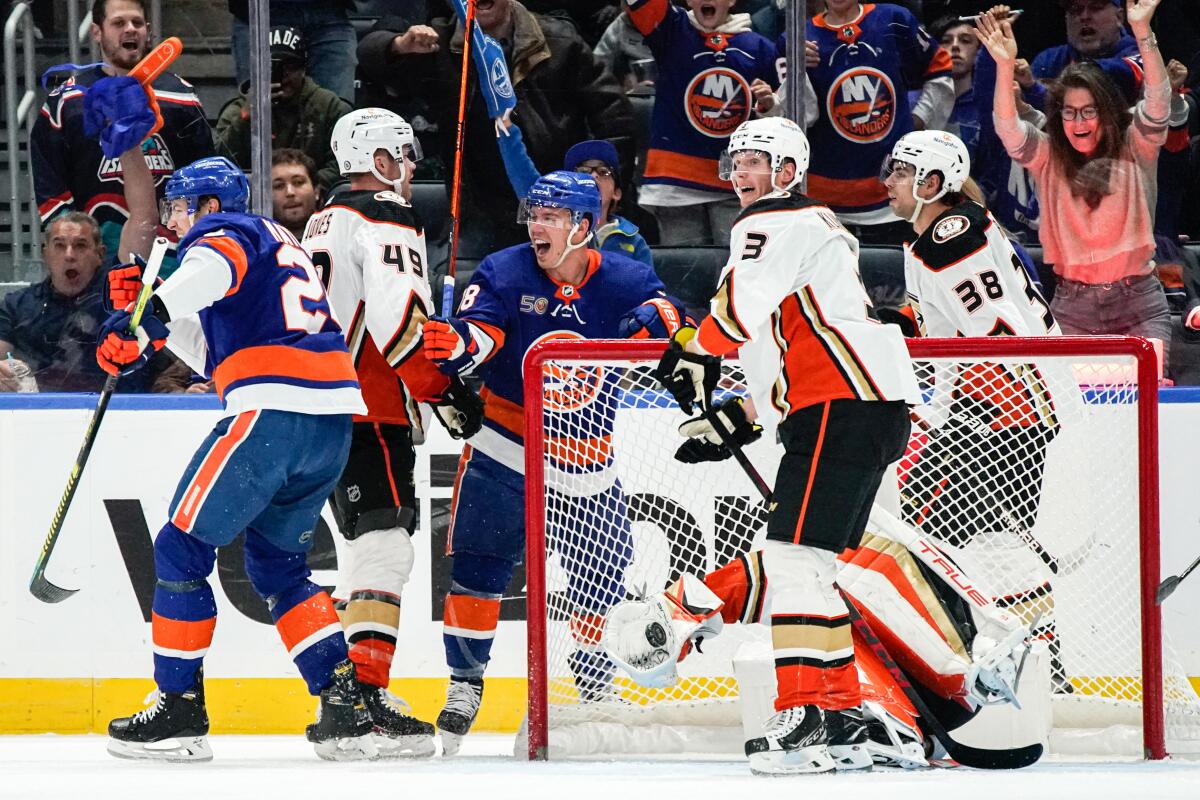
(840, 382)
(977, 484)
(556, 287)
(245, 307)
(370, 249)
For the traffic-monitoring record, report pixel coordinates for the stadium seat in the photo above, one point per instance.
(433, 206)
(690, 273)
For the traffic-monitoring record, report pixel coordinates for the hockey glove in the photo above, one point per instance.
(689, 377)
(449, 344)
(705, 444)
(904, 318)
(120, 351)
(459, 409)
(659, 318)
(117, 110)
(125, 284)
(494, 83)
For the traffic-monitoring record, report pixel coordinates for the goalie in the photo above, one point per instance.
(977, 482)
(960, 656)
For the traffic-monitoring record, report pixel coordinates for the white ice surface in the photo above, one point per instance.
(284, 767)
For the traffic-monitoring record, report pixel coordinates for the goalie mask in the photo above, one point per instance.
(777, 137)
(359, 134)
(927, 152)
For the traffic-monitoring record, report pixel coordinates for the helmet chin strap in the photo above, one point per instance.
(571, 248)
(398, 183)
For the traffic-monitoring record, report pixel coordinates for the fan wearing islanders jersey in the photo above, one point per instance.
(839, 382)
(870, 56)
(553, 288)
(977, 482)
(247, 308)
(714, 72)
(369, 247)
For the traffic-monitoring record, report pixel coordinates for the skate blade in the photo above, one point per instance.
(350, 748)
(404, 746)
(450, 743)
(806, 760)
(177, 750)
(849, 757)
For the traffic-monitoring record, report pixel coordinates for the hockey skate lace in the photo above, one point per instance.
(462, 699)
(158, 699)
(397, 704)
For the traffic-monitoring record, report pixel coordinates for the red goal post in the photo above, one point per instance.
(1141, 379)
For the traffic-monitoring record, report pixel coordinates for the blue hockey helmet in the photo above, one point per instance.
(214, 176)
(575, 191)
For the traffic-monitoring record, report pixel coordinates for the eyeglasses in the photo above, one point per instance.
(1087, 112)
(599, 172)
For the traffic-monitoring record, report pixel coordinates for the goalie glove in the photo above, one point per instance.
(705, 444)
(459, 409)
(689, 377)
(647, 638)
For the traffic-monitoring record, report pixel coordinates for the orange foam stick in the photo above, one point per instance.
(149, 68)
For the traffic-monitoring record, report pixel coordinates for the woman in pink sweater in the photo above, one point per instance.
(1094, 167)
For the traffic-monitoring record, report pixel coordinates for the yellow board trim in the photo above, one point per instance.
(235, 705)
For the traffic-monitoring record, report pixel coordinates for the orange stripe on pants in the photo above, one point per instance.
(192, 499)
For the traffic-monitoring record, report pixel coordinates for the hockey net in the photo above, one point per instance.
(1079, 554)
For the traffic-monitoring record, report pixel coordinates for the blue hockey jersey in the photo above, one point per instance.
(866, 70)
(511, 305)
(271, 341)
(702, 93)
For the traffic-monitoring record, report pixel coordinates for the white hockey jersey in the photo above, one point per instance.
(964, 279)
(369, 248)
(792, 299)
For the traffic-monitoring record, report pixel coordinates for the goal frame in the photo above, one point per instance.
(1146, 381)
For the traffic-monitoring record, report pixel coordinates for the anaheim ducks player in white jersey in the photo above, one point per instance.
(840, 383)
(369, 247)
(977, 485)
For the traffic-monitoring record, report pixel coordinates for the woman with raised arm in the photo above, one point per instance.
(1094, 168)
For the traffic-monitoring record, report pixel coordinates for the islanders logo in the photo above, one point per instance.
(566, 387)
(717, 101)
(158, 159)
(861, 104)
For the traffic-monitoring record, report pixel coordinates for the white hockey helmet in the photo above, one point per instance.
(357, 135)
(778, 137)
(928, 152)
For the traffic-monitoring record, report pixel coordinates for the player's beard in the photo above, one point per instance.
(121, 55)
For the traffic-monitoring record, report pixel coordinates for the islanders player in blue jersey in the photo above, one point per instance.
(247, 309)
(554, 287)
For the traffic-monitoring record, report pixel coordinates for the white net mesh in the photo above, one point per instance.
(1025, 468)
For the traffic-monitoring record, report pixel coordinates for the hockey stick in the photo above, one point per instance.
(1170, 584)
(39, 586)
(966, 755)
(460, 136)
(739, 455)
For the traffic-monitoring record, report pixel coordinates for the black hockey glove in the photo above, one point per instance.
(459, 409)
(689, 377)
(705, 444)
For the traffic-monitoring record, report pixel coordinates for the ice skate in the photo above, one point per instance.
(463, 697)
(847, 730)
(593, 673)
(343, 730)
(173, 729)
(397, 734)
(795, 743)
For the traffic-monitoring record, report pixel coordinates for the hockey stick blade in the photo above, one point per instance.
(968, 756)
(1170, 584)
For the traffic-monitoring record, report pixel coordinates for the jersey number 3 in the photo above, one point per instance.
(296, 289)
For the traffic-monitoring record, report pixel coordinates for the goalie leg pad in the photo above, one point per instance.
(379, 564)
(810, 629)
